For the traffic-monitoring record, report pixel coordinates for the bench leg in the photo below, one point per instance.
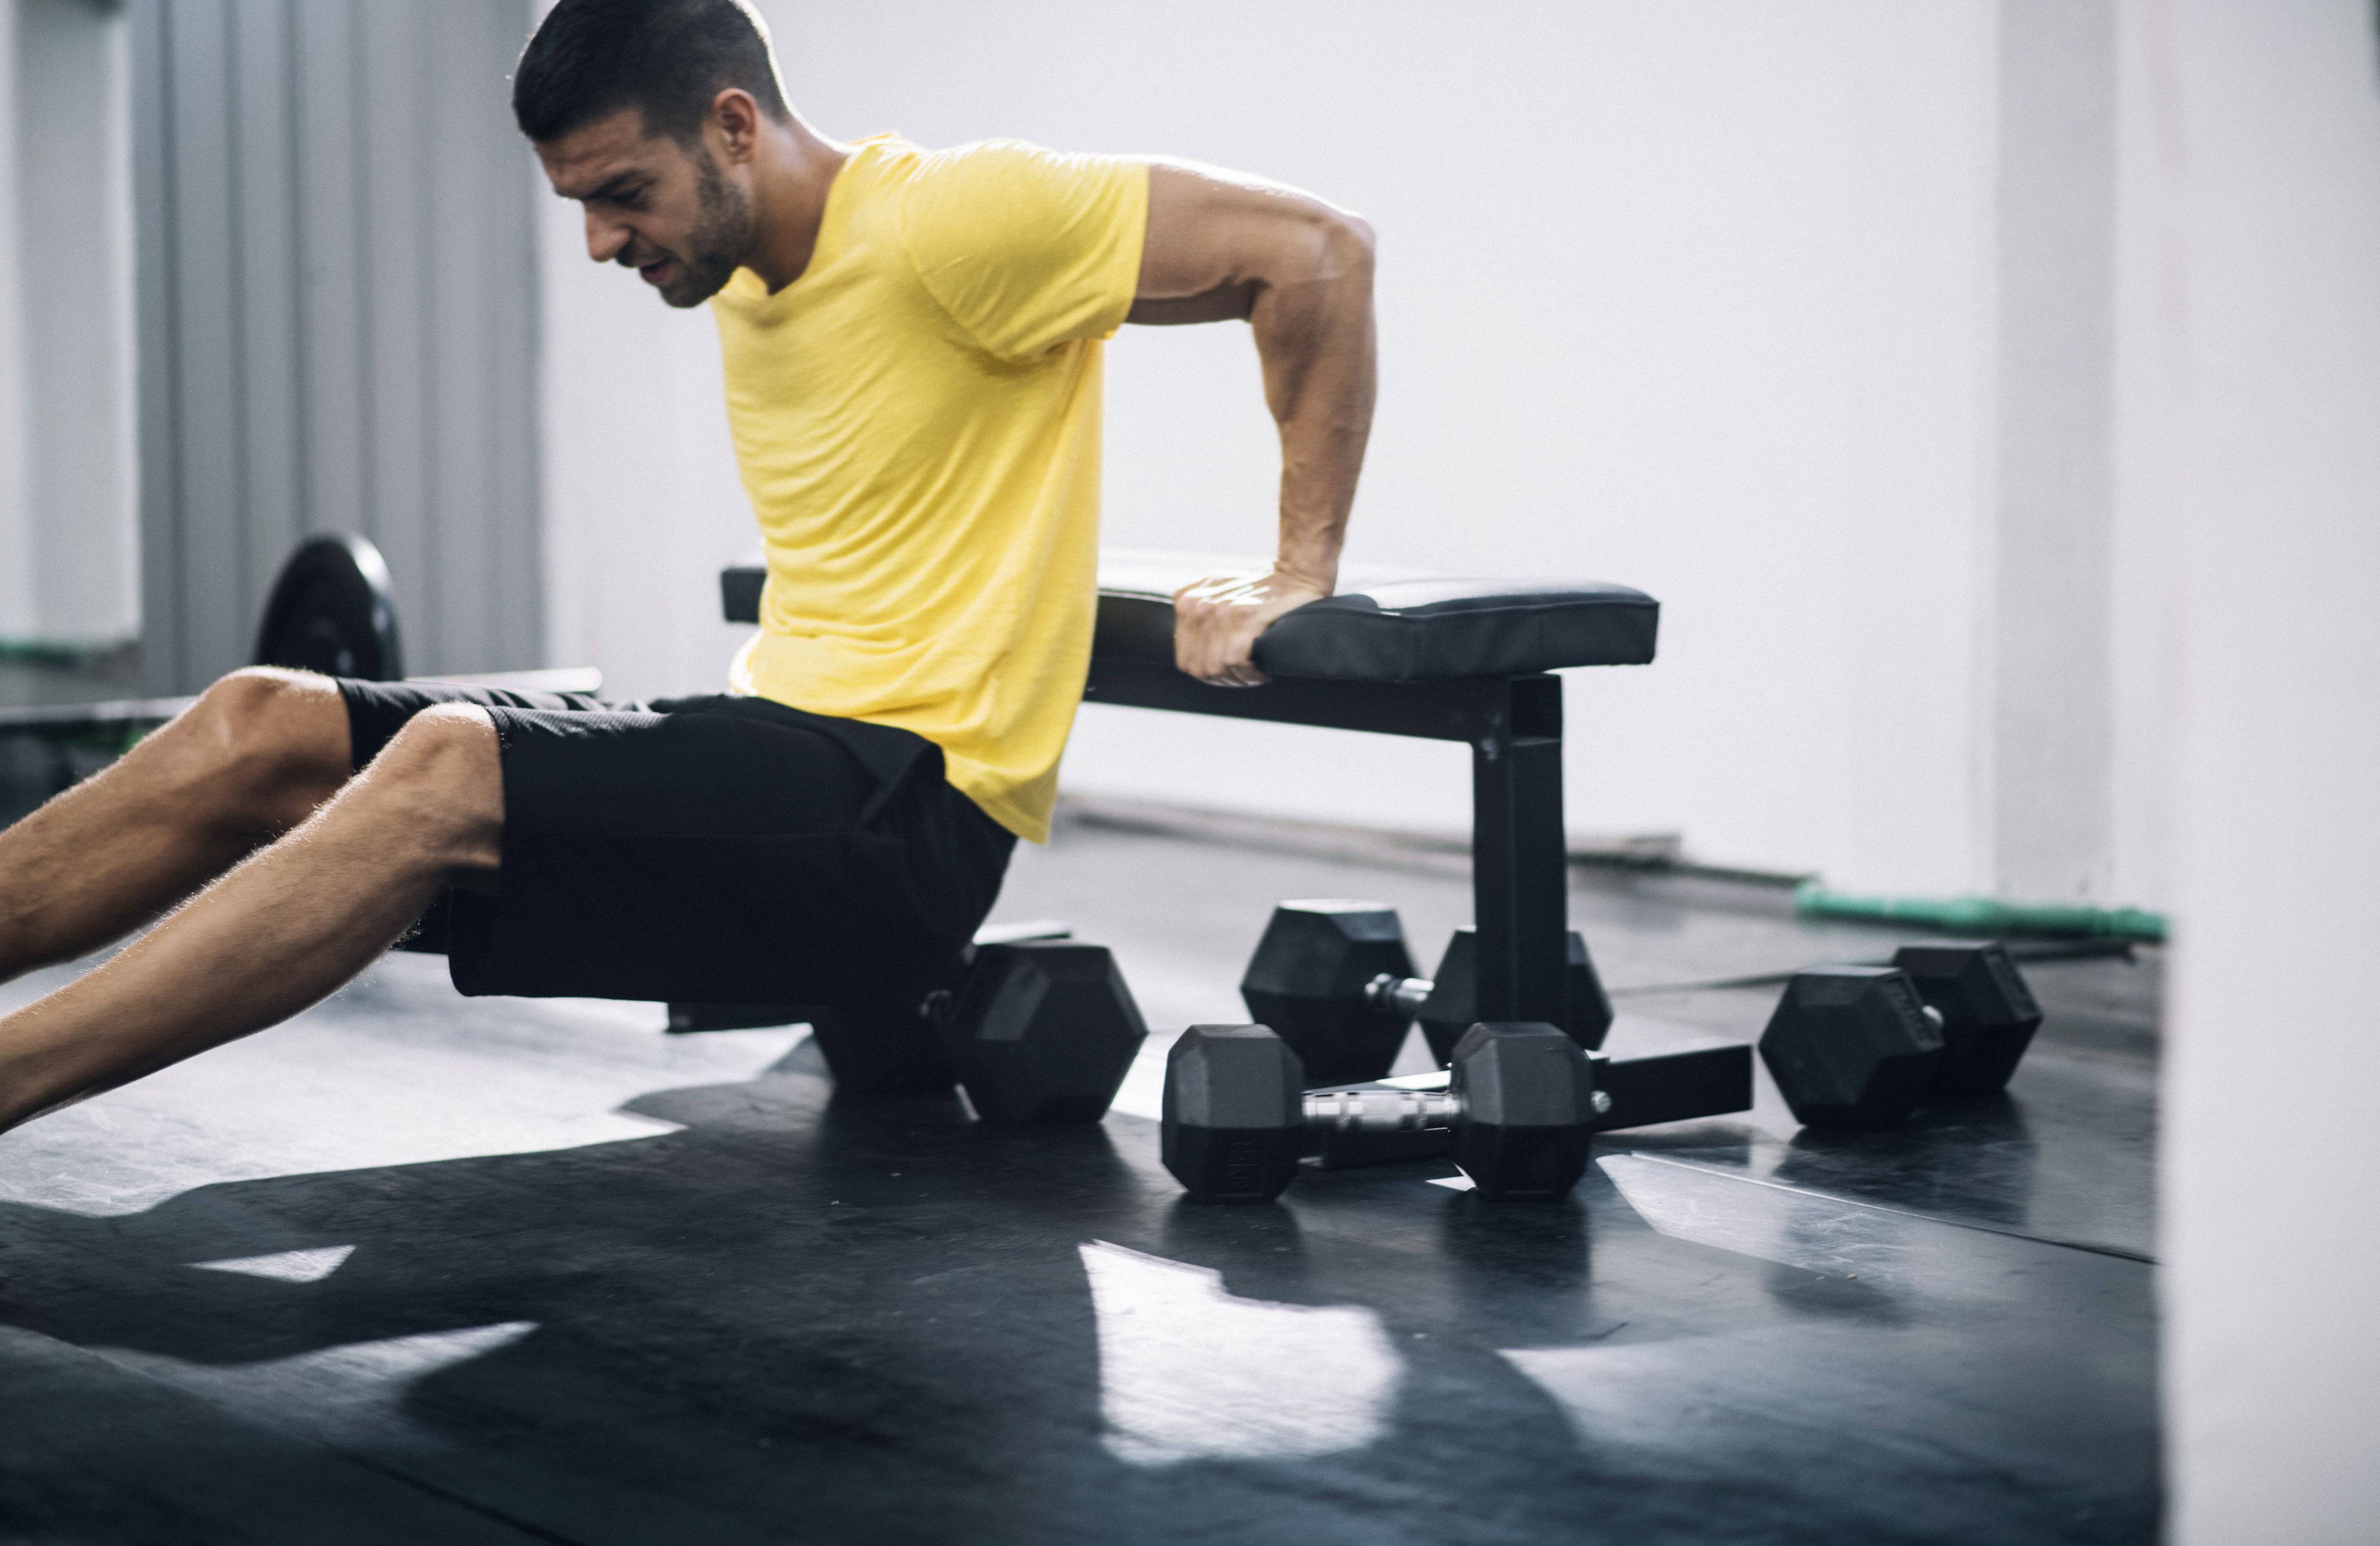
(1519, 858)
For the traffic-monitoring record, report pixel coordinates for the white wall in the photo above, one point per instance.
(69, 527)
(1705, 295)
(18, 562)
(2259, 238)
(642, 501)
(2048, 645)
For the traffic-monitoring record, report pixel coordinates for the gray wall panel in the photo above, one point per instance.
(207, 382)
(510, 258)
(152, 293)
(455, 190)
(398, 264)
(330, 304)
(273, 451)
(338, 314)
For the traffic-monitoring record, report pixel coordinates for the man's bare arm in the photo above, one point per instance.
(1222, 246)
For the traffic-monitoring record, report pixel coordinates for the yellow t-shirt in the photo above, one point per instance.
(917, 419)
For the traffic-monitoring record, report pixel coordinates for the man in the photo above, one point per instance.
(912, 346)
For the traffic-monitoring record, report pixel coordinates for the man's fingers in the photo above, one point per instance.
(1191, 625)
(1235, 666)
(1240, 646)
(1216, 624)
(1215, 655)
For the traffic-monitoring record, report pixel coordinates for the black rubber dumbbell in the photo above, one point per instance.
(894, 1045)
(893, 1018)
(1306, 981)
(1448, 1004)
(1036, 1027)
(1989, 1013)
(1520, 1104)
(888, 1045)
(1042, 1031)
(1335, 980)
(1865, 1046)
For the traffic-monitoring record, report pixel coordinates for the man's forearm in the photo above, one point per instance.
(1317, 343)
(1225, 245)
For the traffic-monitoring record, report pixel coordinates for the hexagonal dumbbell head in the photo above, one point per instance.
(1234, 1117)
(1988, 1013)
(892, 1045)
(1851, 1046)
(1043, 1032)
(1527, 1099)
(886, 1046)
(1307, 982)
(1590, 1006)
(1452, 1007)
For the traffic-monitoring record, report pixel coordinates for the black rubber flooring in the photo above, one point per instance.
(416, 1268)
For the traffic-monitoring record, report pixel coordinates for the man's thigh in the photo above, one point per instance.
(713, 852)
(377, 710)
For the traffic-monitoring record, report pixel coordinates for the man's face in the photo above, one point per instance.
(652, 204)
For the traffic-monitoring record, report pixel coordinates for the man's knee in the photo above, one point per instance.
(265, 707)
(444, 776)
(265, 738)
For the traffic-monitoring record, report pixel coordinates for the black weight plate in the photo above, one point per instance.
(332, 611)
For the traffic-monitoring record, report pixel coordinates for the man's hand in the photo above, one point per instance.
(1216, 621)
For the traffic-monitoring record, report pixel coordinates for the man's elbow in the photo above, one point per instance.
(1343, 249)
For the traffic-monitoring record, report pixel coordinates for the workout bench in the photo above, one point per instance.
(1442, 659)
(1439, 658)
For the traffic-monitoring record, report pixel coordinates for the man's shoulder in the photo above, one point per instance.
(996, 167)
(982, 157)
(1003, 191)
(896, 163)
(1023, 246)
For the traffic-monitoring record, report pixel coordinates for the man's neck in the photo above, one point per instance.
(790, 180)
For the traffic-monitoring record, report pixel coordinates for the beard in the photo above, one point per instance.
(715, 246)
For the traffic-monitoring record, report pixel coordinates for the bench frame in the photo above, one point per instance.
(1520, 854)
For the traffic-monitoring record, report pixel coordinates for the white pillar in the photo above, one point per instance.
(19, 618)
(2047, 664)
(74, 191)
(69, 530)
(2265, 220)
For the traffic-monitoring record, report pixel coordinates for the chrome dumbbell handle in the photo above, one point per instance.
(1379, 1109)
(1403, 995)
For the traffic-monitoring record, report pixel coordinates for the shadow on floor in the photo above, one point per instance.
(803, 1318)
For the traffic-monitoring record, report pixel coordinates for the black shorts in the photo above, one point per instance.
(705, 849)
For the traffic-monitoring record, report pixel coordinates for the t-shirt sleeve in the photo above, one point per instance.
(1028, 249)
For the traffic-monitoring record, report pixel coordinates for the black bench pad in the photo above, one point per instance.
(1381, 627)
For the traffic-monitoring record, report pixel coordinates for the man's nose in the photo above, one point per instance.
(606, 239)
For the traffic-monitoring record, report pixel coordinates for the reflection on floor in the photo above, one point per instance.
(417, 1268)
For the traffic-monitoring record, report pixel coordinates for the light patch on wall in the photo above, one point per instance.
(1190, 1372)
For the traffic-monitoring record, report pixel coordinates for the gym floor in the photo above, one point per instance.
(418, 1268)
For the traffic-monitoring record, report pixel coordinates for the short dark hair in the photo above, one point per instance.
(666, 58)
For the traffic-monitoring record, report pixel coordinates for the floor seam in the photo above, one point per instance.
(444, 1495)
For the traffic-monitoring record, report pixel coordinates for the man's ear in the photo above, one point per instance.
(736, 118)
